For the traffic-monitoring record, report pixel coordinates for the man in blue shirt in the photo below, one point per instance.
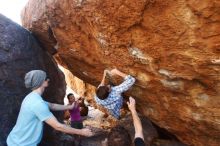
(34, 111)
(111, 97)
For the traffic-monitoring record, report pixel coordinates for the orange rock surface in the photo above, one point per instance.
(167, 45)
(82, 88)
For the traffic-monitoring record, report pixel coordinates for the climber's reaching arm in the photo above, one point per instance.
(103, 78)
(126, 84)
(136, 120)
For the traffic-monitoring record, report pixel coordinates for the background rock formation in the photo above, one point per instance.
(79, 86)
(20, 53)
(167, 45)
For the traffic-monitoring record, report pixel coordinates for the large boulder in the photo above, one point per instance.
(20, 53)
(167, 45)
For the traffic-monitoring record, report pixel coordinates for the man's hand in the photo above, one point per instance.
(131, 104)
(86, 132)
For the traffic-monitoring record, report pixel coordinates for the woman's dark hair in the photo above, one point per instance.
(119, 136)
(70, 94)
(102, 92)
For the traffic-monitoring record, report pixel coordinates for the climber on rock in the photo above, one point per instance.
(34, 111)
(109, 96)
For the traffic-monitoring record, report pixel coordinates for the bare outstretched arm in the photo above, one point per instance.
(103, 78)
(136, 120)
(60, 107)
(66, 129)
(117, 72)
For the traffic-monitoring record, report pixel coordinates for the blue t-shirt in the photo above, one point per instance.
(28, 129)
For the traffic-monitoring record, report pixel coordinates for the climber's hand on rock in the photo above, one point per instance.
(106, 71)
(114, 71)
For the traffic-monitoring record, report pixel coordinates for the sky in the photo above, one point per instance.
(12, 9)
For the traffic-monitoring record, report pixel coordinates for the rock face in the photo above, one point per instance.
(149, 131)
(79, 86)
(167, 45)
(20, 53)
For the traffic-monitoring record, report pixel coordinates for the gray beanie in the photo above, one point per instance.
(34, 79)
